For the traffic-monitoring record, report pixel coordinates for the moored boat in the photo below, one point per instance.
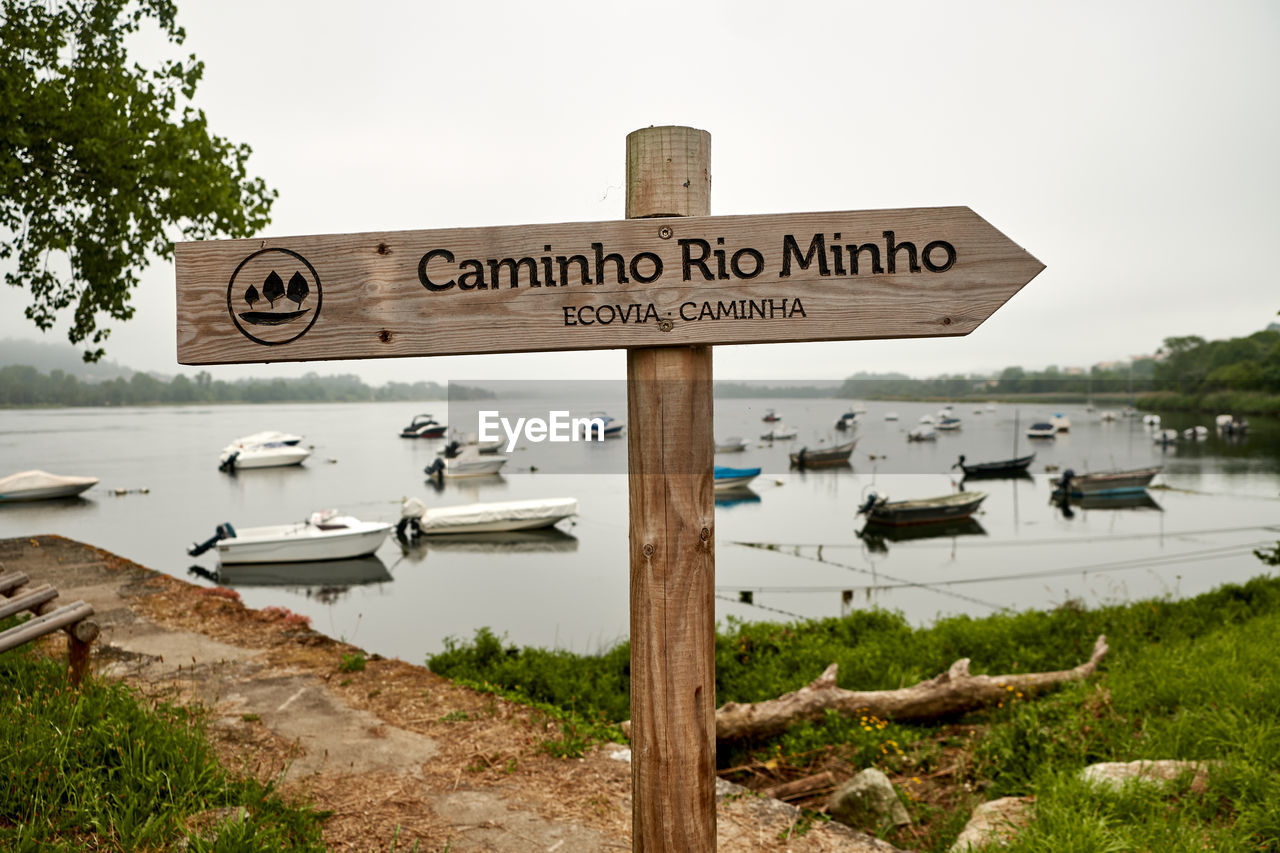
(1104, 482)
(325, 535)
(922, 433)
(424, 426)
(880, 510)
(1165, 436)
(823, 456)
(780, 433)
(497, 517)
(771, 417)
(41, 485)
(468, 462)
(948, 424)
(733, 478)
(1002, 468)
(732, 444)
(1042, 429)
(602, 425)
(847, 421)
(268, 449)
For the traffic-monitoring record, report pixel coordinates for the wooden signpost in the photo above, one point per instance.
(666, 284)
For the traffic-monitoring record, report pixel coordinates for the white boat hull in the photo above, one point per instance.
(499, 517)
(275, 457)
(303, 542)
(40, 486)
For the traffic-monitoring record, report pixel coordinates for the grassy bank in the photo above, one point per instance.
(1192, 679)
(102, 768)
(1216, 403)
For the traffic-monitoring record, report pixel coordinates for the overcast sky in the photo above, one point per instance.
(1134, 148)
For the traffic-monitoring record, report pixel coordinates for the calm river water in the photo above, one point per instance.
(1216, 501)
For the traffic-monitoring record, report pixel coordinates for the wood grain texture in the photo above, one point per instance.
(369, 301)
(672, 548)
(672, 540)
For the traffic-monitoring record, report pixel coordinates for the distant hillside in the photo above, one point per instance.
(47, 357)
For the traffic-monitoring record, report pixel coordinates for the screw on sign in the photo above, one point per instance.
(666, 294)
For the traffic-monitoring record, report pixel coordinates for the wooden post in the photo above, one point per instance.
(670, 449)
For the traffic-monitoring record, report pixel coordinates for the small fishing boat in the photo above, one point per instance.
(424, 426)
(269, 449)
(1198, 433)
(1042, 429)
(771, 417)
(416, 519)
(325, 535)
(602, 424)
(823, 456)
(780, 433)
(468, 462)
(41, 485)
(890, 416)
(1165, 436)
(948, 424)
(847, 421)
(1108, 416)
(1003, 468)
(733, 478)
(880, 510)
(922, 433)
(1060, 422)
(732, 444)
(1151, 420)
(1104, 482)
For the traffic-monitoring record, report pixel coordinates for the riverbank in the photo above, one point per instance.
(397, 755)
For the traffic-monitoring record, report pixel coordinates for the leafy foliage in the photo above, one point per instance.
(100, 158)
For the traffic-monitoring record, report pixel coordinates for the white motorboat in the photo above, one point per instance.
(1165, 436)
(268, 449)
(468, 462)
(1108, 416)
(922, 433)
(949, 423)
(325, 535)
(1060, 422)
(423, 426)
(1151, 420)
(1042, 429)
(1199, 433)
(780, 433)
(501, 517)
(41, 485)
(890, 416)
(732, 444)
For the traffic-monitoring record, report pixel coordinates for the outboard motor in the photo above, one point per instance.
(435, 470)
(225, 531)
(451, 450)
(411, 512)
(229, 464)
(959, 462)
(1065, 483)
(872, 497)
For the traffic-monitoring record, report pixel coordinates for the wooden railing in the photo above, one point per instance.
(16, 596)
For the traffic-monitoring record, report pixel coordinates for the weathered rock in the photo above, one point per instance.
(867, 801)
(994, 823)
(1113, 774)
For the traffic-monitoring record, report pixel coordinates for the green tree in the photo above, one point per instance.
(101, 159)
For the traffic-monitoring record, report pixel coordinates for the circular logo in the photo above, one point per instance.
(274, 296)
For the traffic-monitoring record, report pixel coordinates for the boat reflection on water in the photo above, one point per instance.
(547, 540)
(878, 536)
(323, 580)
(1130, 500)
(740, 495)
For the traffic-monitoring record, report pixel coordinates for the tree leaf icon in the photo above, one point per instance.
(251, 295)
(298, 289)
(273, 288)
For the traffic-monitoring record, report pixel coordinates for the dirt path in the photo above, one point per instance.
(394, 751)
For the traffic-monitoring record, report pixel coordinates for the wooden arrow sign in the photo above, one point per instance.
(683, 281)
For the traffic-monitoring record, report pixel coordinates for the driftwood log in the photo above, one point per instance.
(952, 692)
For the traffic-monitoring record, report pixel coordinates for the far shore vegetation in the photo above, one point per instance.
(1239, 376)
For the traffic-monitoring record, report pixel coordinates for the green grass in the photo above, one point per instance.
(100, 767)
(1192, 679)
